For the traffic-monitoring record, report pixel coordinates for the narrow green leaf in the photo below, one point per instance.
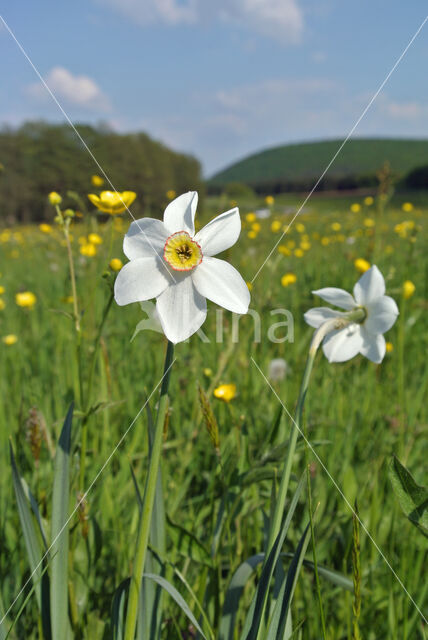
(412, 497)
(118, 610)
(60, 532)
(253, 621)
(278, 627)
(178, 599)
(35, 553)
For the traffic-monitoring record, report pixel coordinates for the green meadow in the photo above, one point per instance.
(222, 458)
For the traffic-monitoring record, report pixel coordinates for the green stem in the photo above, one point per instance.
(339, 322)
(149, 495)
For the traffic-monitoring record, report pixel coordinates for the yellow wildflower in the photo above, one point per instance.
(275, 226)
(389, 347)
(112, 202)
(250, 217)
(10, 339)
(269, 200)
(68, 299)
(368, 201)
(408, 289)
(355, 208)
(284, 250)
(89, 250)
(305, 246)
(94, 238)
(249, 285)
(369, 222)
(299, 253)
(225, 392)
(2, 289)
(207, 372)
(291, 244)
(2, 304)
(97, 181)
(361, 265)
(300, 228)
(171, 194)
(45, 228)
(288, 278)
(256, 226)
(54, 198)
(407, 207)
(252, 235)
(115, 264)
(25, 299)
(325, 241)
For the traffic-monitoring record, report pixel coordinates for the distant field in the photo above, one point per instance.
(308, 160)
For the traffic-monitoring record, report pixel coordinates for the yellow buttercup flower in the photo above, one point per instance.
(250, 217)
(2, 289)
(299, 253)
(249, 285)
(252, 234)
(256, 226)
(97, 181)
(389, 347)
(407, 207)
(112, 202)
(300, 228)
(275, 226)
(10, 339)
(54, 198)
(336, 226)
(94, 238)
(368, 201)
(68, 299)
(291, 244)
(288, 278)
(408, 289)
(305, 246)
(361, 265)
(89, 250)
(115, 264)
(25, 299)
(369, 222)
(171, 194)
(355, 208)
(325, 241)
(269, 200)
(2, 304)
(225, 392)
(207, 372)
(283, 250)
(45, 228)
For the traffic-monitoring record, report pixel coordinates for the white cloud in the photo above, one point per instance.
(71, 89)
(279, 19)
(406, 110)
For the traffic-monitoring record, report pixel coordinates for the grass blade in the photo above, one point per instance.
(60, 533)
(118, 610)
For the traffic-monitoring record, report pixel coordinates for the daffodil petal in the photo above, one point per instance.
(220, 234)
(317, 316)
(381, 315)
(370, 286)
(373, 347)
(343, 344)
(140, 280)
(181, 309)
(180, 213)
(145, 237)
(221, 283)
(338, 297)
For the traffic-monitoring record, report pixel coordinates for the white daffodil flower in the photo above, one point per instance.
(365, 337)
(171, 263)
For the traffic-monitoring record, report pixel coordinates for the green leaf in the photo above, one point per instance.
(178, 599)
(118, 610)
(278, 627)
(412, 497)
(256, 614)
(34, 549)
(60, 532)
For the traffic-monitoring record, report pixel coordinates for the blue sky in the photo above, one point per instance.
(218, 79)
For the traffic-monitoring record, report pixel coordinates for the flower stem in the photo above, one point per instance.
(149, 495)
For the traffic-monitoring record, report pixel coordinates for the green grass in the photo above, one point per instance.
(357, 415)
(359, 157)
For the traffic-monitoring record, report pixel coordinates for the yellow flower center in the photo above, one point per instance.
(181, 252)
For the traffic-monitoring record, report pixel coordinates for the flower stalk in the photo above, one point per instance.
(149, 496)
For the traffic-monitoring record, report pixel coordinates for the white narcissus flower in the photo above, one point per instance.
(171, 263)
(365, 337)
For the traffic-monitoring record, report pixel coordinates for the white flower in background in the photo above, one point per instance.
(366, 337)
(171, 263)
(278, 369)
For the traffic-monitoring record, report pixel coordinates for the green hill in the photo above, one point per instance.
(302, 164)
